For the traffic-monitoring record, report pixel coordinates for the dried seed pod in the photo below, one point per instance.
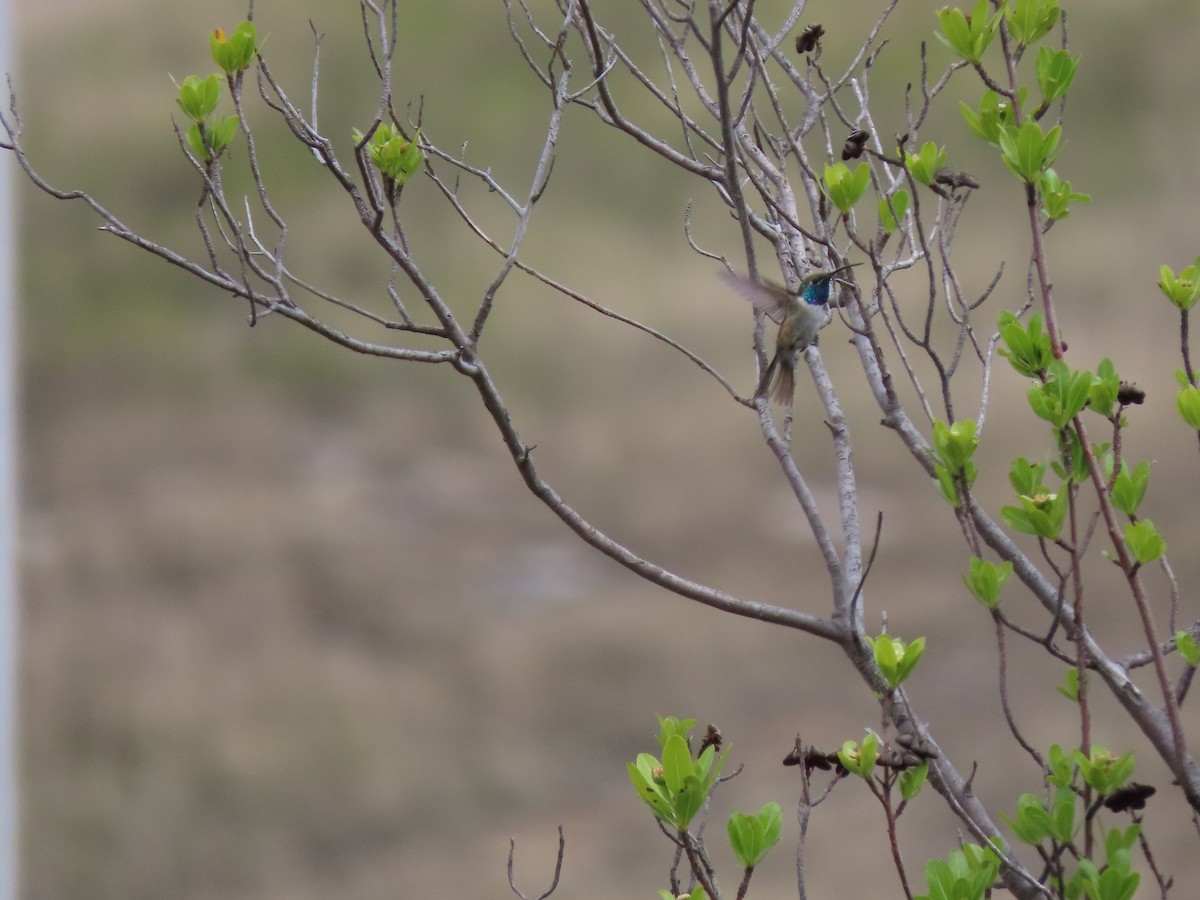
(809, 39)
(1129, 394)
(853, 148)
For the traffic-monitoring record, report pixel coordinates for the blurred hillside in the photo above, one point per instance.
(292, 628)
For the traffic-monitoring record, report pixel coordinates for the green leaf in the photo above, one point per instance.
(221, 133)
(195, 141)
(1029, 20)
(1070, 686)
(946, 485)
(1062, 762)
(1188, 648)
(892, 210)
(1055, 72)
(752, 837)
(1026, 477)
(1027, 151)
(992, 117)
(844, 186)
(1102, 395)
(1187, 402)
(984, 580)
(670, 725)
(1057, 195)
(391, 153)
(1062, 396)
(912, 780)
(966, 874)
(860, 760)
(676, 763)
(1027, 347)
(967, 36)
(1104, 771)
(1130, 487)
(642, 775)
(895, 659)
(925, 163)
(1183, 289)
(1032, 823)
(1041, 515)
(234, 53)
(198, 97)
(955, 444)
(1144, 541)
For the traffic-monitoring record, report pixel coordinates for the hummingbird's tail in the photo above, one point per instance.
(778, 380)
(768, 376)
(785, 384)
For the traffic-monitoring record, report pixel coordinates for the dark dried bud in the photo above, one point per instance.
(712, 738)
(916, 744)
(1131, 797)
(853, 147)
(796, 756)
(955, 178)
(1129, 394)
(809, 39)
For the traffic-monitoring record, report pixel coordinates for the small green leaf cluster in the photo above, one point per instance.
(1187, 401)
(752, 837)
(1188, 648)
(859, 759)
(1144, 541)
(1030, 20)
(391, 153)
(235, 52)
(992, 117)
(1055, 818)
(1116, 881)
(984, 580)
(1129, 488)
(892, 210)
(912, 780)
(198, 99)
(953, 447)
(1055, 73)
(1026, 347)
(968, 36)
(1062, 395)
(1070, 686)
(1041, 512)
(1057, 195)
(966, 874)
(924, 164)
(1183, 289)
(845, 186)
(1105, 389)
(895, 659)
(1027, 151)
(676, 787)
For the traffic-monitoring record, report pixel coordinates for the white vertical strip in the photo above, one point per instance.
(8, 506)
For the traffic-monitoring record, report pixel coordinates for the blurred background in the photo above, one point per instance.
(291, 625)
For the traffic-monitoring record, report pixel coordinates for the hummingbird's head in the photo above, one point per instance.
(816, 286)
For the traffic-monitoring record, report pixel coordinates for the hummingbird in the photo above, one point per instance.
(800, 316)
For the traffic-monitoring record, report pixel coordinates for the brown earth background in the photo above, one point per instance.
(292, 628)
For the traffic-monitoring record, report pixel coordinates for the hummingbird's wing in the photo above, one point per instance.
(769, 299)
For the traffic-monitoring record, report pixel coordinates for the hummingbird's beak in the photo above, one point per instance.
(827, 273)
(844, 268)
